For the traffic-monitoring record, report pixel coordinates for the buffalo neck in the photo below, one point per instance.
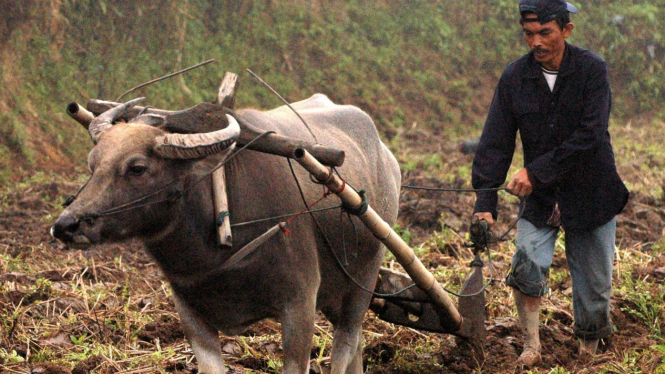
(187, 247)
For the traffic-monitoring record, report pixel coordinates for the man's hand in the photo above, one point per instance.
(520, 185)
(485, 216)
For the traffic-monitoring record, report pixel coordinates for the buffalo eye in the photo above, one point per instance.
(137, 170)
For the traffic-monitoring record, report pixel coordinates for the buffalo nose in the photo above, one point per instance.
(64, 228)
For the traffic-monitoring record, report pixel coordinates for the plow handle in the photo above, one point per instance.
(448, 314)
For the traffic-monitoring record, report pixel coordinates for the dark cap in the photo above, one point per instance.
(546, 10)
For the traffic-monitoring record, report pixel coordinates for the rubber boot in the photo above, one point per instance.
(588, 347)
(528, 313)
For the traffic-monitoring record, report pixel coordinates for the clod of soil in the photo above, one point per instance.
(86, 366)
(166, 333)
(49, 369)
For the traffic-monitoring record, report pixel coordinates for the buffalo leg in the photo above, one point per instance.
(356, 365)
(297, 332)
(346, 348)
(203, 338)
(346, 351)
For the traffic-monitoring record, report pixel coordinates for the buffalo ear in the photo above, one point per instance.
(203, 168)
(104, 121)
(149, 119)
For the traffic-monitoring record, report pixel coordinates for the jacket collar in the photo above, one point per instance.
(533, 69)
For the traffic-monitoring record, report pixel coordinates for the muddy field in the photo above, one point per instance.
(107, 310)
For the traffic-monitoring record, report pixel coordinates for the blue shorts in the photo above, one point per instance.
(590, 256)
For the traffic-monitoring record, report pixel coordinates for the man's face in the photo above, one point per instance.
(546, 41)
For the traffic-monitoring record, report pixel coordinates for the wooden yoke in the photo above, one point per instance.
(226, 97)
(206, 117)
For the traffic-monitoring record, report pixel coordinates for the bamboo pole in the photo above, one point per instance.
(207, 117)
(80, 114)
(225, 97)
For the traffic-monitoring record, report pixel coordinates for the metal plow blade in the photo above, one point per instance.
(472, 308)
(413, 308)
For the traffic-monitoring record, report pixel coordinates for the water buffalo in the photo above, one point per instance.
(291, 275)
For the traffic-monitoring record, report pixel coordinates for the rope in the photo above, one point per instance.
(395, 294)
(360, 209)
(176, 194)
(485, 286)
(308, 208)
(454, 189)
(355, 231)
(285, 102)
(164, 77)
(70, 199)
(284, 216)
(486, 247)
(519, 215)
(332, 248)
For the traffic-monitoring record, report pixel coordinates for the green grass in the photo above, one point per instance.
(646, 299)
(426, 63)
(105, 314)
(424, 71)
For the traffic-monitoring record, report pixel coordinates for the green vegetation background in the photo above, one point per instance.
(433, 64)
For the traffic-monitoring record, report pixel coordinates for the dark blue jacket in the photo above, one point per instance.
(567, 148)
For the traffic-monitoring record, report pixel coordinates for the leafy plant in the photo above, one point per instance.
(647, 304)
(8, 357)
(79, 340)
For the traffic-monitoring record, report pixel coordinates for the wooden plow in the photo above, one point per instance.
(427, 307)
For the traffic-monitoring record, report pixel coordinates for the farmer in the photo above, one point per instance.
(558, 97)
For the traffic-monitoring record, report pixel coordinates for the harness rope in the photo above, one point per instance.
(332, 248)
(363, 208)
(176, 194)
(179, 192)
(284, 216)
(486, 247)
(360, 211)
(454, 189)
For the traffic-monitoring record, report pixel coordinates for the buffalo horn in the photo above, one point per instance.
(188, 146)
(105, 120)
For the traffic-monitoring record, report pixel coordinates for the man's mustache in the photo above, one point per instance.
(540, 50)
